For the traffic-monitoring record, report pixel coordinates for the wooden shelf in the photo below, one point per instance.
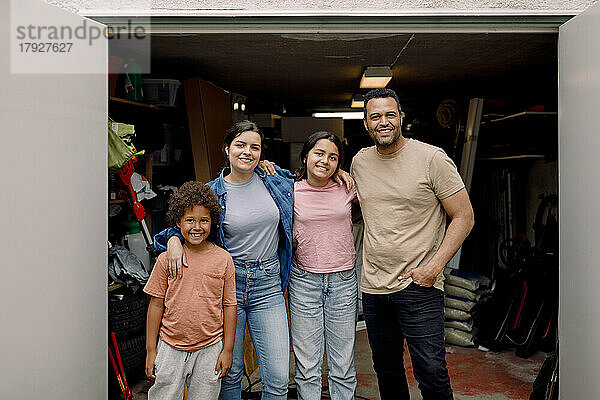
(117, 201)
(165, 165)
(515, 157)
(115, 286)
(523, 114)
(137, 104)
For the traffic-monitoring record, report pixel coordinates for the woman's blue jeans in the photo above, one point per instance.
(261, 305)
(417, 315)
(323, 315)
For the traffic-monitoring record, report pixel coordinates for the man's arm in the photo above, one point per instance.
(226, 357)
(458, 207)
(155, 313)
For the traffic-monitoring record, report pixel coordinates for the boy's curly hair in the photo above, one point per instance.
(193, 193)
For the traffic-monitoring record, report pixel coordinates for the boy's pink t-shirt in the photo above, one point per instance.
(322, 227)
(193, 315)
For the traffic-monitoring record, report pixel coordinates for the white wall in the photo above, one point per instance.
(579, 236)
(53, 213)
(397, 6)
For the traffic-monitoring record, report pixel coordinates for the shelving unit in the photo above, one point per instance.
(525, 114)
(136, 103)
(516, 157)
(530, 133)
(148, 120)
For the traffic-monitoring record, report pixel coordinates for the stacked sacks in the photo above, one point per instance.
(462, 291)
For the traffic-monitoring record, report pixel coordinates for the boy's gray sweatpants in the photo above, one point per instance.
(173, 368)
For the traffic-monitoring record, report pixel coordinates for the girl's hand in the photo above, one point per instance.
(268, 166)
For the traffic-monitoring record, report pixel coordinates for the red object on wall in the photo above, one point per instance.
(115, 64)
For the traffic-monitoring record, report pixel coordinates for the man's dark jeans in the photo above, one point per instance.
(417, 314)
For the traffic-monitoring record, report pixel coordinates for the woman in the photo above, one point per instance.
(323, 289)
(256, 228)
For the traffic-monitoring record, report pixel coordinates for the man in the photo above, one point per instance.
(406, 188)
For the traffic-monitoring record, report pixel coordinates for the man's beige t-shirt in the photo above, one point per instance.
(193, 315)
(404, 219)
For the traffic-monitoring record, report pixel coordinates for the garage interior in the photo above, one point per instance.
(280, 77)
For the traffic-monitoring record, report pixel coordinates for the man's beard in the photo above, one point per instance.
(389, 142)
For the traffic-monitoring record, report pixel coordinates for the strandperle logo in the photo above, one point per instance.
(45, 39)
(81, 32)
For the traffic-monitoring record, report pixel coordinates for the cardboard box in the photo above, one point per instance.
(298, 129)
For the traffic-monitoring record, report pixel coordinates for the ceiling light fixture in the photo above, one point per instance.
(376, 77)
(343, 115)
(358, 101)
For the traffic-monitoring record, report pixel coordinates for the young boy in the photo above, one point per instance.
(195, 313)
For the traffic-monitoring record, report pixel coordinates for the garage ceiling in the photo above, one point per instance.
(322, 71)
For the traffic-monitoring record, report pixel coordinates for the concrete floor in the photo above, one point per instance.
(475, 375)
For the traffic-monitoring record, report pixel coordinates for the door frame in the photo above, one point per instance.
(179, 22)
(226, 21)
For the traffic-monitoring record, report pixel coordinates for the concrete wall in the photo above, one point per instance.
(390, 6)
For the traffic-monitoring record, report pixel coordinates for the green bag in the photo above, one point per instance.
(118, 152)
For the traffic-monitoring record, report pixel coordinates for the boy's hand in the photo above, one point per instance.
(176, 258)
(150, 358)
(224, 363)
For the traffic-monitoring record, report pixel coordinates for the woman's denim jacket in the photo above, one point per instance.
(281, 188)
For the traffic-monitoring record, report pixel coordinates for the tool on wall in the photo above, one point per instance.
(121, 158)
(139, 212)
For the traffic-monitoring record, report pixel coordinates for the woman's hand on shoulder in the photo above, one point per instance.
(176, 258)
(272, 169)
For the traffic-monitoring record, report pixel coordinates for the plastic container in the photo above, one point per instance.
(134, 241)
(160, 91)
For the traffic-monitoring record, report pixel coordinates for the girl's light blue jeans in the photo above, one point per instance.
(323, 316)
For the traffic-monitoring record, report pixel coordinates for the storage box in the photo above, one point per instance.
(298, 129)
(160, 91)
(265, 120)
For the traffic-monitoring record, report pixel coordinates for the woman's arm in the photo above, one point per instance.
(171, 241)
(341, 177)
(161, 239)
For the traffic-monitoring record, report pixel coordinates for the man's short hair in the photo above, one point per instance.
(381, 94)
